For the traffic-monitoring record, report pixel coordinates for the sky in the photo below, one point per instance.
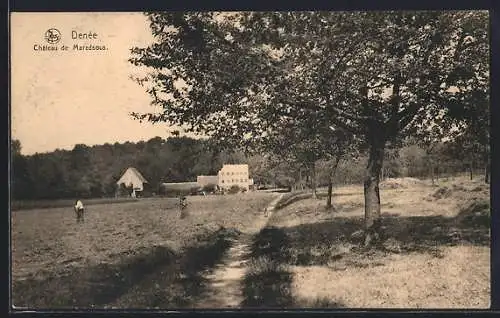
(67, 97)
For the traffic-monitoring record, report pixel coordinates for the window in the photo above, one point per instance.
(222, 181)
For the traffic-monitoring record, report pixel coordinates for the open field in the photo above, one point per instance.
(45, 204)
(57, 262)
(435, 251)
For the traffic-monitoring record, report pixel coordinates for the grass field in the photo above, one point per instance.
(45, 204)
(55, 261)
(435, 253)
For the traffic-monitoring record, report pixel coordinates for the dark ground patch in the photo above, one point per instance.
(156, 277)
(316, 244)
(268, 282)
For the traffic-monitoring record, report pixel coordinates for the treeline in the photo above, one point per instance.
(439, 160)
(92, 172)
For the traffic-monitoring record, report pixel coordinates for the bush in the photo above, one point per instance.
(443, 192)
(234, 189)
(475, 214)
(210, 188)
(194, 190)
(124, 190)
(172, 193)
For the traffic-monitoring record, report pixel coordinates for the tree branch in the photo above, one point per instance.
(406, 116)
(392, 123)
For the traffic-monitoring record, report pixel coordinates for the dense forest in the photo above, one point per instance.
(92, 172)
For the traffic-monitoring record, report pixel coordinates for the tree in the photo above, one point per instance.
(21, 181)
(469, 151)
(472, 142)
(377, 75)
(412, 159)
(309, 141)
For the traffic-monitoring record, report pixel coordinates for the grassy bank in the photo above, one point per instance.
(434, 251)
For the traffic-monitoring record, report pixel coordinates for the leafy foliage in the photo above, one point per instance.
(93, 171)
(246, 78)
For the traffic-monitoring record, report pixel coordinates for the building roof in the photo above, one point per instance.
(234, 166)
(207, 177)
(180, 185)
(138, 174)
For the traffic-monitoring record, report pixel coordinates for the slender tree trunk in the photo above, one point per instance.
(487, 173)
(300, 179)
(487, 165)
(330, 183)
(371, 188)
(313, 181)
(329, 196)
(432, 171)
(471, 171)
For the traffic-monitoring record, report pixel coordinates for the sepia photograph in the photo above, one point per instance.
(180, 160)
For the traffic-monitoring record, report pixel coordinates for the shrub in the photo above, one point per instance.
(176, 192)
(475, 214)
(124, 190)
(194, 190)
(442, 192)
(210, 188)
(234, 189)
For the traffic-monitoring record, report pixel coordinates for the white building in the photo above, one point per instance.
(207, 180)
(231, 175)
(132, 177)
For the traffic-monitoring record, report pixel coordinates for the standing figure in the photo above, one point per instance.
(79, 210)
(183, 206)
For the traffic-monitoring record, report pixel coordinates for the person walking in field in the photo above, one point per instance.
(183, 206)
(79, 210)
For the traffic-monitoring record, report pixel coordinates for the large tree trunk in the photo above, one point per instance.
(371, 188)
(330, 183)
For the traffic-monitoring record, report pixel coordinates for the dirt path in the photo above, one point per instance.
(225, 279)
